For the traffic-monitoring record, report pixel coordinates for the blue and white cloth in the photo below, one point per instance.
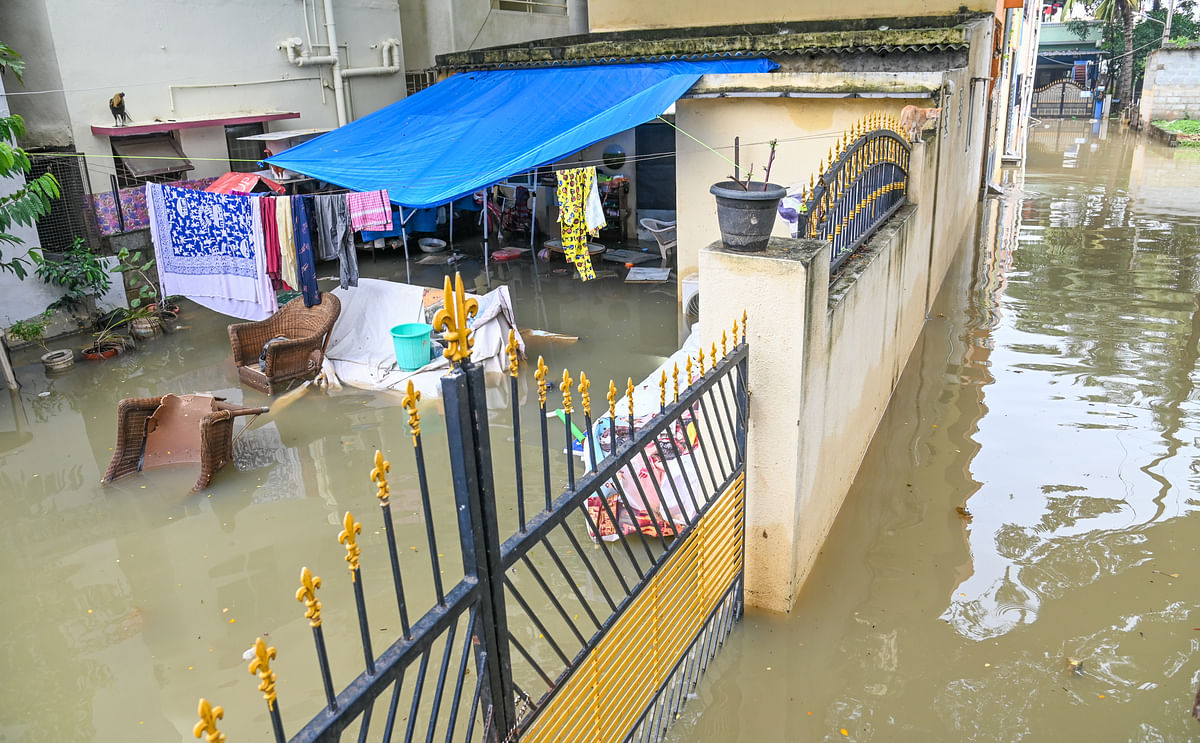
(209, 248)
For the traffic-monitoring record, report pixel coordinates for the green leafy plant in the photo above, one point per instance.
(30, 202)
(137, 268)
(78, 272)
(32, 330)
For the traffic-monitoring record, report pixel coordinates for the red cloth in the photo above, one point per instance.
(271, 242)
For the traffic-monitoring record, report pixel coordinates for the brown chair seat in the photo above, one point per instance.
(157, 431)
(307, 332)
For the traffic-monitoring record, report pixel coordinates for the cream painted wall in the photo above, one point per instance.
(825, 358)
(632, 15)
(807, 128)
(433, 28)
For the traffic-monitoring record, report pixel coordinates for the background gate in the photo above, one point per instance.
(1062, 99)
(596, 618)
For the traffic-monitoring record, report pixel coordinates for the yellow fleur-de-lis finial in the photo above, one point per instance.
(689, 371)
(412, 396)
(724, 352)
(540, 375)
(261, 665)
(629, 397)
(714, 355)
(675, 381)
(208, 722)
(512, 349)
(566, 392)
(701, 360)
(612, 397)
(585, 395)
(307, 594)
(379, 477)
(349, 537)
(735, 331)
(662, 390)
(745, 322)
(453, 319)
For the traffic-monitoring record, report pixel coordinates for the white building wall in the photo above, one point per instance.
(433, 28)
(144, 47)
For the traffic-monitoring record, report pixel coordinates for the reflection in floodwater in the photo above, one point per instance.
(124, 604)
(1052, 398)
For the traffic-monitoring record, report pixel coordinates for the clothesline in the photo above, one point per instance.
(232, 252)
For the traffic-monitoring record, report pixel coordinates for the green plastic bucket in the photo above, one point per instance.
(411, 341)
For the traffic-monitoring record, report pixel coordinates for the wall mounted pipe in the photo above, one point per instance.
(172, 88)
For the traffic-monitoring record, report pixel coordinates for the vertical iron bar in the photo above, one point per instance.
(541, 627)
(571, 579)
(323, 662)
(570, 451)
(550, 594)
(390, 530)
(363, 627)
(365, 727)
(588, 563)
(587, 441)
(416, 699)
(389, 724)
(637, 483)
(463, 391)
(277, 723)
(658, 492)
(462, 674)
(516, 416)
(667, 468)
(481, 662)
(545, 456)
(441, 682)
(430, 537)
(629, 507)
(624, 542)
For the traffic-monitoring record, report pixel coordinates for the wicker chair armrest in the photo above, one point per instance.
(285, 357)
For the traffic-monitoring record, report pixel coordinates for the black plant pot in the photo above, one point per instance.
(746, 216)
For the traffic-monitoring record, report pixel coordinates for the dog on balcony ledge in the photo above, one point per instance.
(116, 105)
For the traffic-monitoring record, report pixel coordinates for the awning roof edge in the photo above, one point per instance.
(475, 129)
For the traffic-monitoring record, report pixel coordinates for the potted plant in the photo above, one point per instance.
(144, 317)
(106, 342)
(746, 208)
(33, 330)
(78, 272)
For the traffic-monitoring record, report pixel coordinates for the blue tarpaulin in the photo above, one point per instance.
(477, 128)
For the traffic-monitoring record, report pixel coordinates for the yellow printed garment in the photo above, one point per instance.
(574, 186)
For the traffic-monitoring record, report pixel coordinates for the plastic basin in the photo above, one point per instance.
(411, 341)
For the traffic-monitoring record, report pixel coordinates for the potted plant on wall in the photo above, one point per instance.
(746, 208)
(106, 341)
(78, 272)
(33, 330)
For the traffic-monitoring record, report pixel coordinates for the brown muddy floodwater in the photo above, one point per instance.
(124, 604)
(1053, 396)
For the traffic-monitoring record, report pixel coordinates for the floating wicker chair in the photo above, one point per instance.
(172, 429)
(306, 330)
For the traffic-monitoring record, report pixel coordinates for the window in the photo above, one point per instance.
(419, 80)
(150, 158)
(549, 7)
(244, 156)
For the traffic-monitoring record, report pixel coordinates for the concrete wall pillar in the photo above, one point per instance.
(783, 292)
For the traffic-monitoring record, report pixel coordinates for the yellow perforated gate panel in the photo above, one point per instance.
(602, 700)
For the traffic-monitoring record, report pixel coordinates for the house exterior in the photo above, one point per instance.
(199, 77)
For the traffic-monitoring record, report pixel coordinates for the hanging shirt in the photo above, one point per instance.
(370, 210)
(302, 230)
(289, 272)
(574, 187)
(270, 239)
(335, 238)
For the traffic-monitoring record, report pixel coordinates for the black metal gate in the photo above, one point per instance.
(542, 638)
(1062, 99)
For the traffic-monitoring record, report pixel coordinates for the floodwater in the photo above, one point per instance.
(124, 604)
(1053, 398)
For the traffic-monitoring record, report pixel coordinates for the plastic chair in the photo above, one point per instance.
(664, 234)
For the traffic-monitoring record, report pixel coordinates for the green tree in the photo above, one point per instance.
(29, 203)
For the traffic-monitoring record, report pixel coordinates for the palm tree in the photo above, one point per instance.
(1117, 11)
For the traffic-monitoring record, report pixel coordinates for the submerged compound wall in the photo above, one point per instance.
(1171, 89)
(826, 355)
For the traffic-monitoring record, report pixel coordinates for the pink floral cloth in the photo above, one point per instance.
(132, 204)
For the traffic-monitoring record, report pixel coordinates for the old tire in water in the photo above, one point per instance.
(58, 361)
(746, 216)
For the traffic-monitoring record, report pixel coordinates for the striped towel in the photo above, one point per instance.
(370, 210)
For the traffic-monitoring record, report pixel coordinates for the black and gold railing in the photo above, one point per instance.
(595, 618)
(858, 187)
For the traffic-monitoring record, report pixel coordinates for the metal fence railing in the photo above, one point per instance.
(863, 184)
(595, 619)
